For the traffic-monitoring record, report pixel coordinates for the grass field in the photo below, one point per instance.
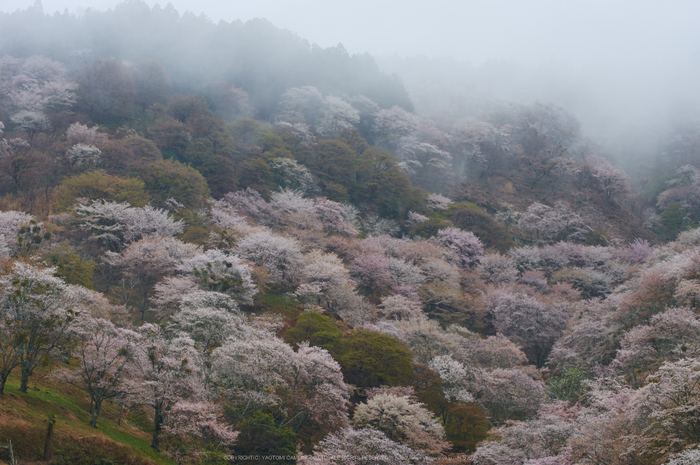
(24, 420)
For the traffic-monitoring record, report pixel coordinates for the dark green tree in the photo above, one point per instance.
(371, 359)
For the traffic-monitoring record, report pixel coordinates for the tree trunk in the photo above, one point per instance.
(95, 411)
(49, 436)
(3, 380)
(24, 380)
(157, 425)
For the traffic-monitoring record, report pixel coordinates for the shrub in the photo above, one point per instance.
(470, 217)
(319, 330)
(100, 185)
(167, 179)
(371, 359)
(71, 267)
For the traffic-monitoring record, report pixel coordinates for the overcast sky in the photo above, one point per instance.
(525, 31)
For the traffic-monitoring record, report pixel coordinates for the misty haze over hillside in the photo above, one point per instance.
(628, 70)
(311, 232)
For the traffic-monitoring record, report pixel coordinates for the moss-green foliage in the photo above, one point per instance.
(171, 179)
(30, 235)
(319, 330)
(106, 92)
(594, 238)
(100, 185)
(245, 131)
(371, 359)
(215, 454)
(259, 435)
(431, 227)
(334, 163)
(71, 266)
(126, 156)
(672, 221)
(371, 177)
(213, 156)
(255, 173)
(444, 303)
(591, 284)
(656, 185)
(197, 227)
(465, 423)
(470, 217)
(570, 384)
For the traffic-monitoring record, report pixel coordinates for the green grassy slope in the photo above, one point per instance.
(24, 421)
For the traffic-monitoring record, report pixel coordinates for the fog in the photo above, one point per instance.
(627, 69)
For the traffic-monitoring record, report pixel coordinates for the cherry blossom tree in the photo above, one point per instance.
(496, 268)
(508, 394)
(372, 273)
(363, 446)
(399, 307)
(35, 83)
(104, 352)
(82, 134)
(455, 378)
(255, 369)
(551, 224)
(117, 224)
(529, 323)
(495, 453)
(31, 122)
(494, 352)
(192, 422)
(336, 217)
(225, 216)
(208, 326)
(427, 340)
(216, 271)
(10, 224)
(390, 125)
(635, 253)
(437, 202)
(279, 255)
(36, 315)
(318, 398)
(592, 340)
(294, 176)
(249, 366)
(83, 155)
(336, 116)
(671, 400)
(326, 282)
(301, 104)
(689, 238)
(687, 457)
(613, 181)
(251, 203)
(465, 244)
(166, 371)
(416, 218)
(669, 336)
(403, 420)
(144, 262)
(535, 439)
(301, 131)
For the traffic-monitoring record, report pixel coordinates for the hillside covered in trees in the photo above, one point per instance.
(218, 241)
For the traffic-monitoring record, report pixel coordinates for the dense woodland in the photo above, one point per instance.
(217, 240)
